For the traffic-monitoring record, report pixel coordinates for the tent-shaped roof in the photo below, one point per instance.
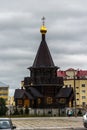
(19, 93)
(43, 57)
(35, 92)
(64, 92)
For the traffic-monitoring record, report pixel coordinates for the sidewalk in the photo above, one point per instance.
(48, 123)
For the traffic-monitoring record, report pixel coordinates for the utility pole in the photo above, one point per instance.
(75, 93)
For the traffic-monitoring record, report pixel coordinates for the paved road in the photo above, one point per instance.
(49, 123)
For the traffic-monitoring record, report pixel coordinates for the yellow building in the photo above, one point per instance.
(11, 100)
(78, 80)
(4, 91)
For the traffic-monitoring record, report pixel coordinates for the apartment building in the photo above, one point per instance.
(78, 80)
(11, 100)
(4, 91)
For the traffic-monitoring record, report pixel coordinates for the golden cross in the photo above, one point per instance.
(43, 20)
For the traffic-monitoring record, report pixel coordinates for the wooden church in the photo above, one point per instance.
(43, 89)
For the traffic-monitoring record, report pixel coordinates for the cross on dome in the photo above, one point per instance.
(43, 20)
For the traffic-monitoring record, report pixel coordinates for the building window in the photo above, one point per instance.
(49, 100)
(83, 103)
(62, 100)
(77, 87)
(83, 85)
(83, 97)
(66, 86)
(3, 94)
(5, 89)
(39, 100)
(19, 102)
(70, 85)
(83, 91)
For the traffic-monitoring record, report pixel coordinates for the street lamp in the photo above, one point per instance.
(72, 73)
(75, 93)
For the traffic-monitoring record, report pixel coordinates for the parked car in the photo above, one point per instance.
(85, 120)
(6, 124)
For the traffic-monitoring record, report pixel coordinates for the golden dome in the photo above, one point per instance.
(43, 29)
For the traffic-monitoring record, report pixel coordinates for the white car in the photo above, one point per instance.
(6, 124)
(85, 120)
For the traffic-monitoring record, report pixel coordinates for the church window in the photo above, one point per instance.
(62, 100)
(39, 100)
(49, 100)
(19, 102)
(26, 102)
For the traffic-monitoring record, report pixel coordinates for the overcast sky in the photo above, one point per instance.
(20, 22)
